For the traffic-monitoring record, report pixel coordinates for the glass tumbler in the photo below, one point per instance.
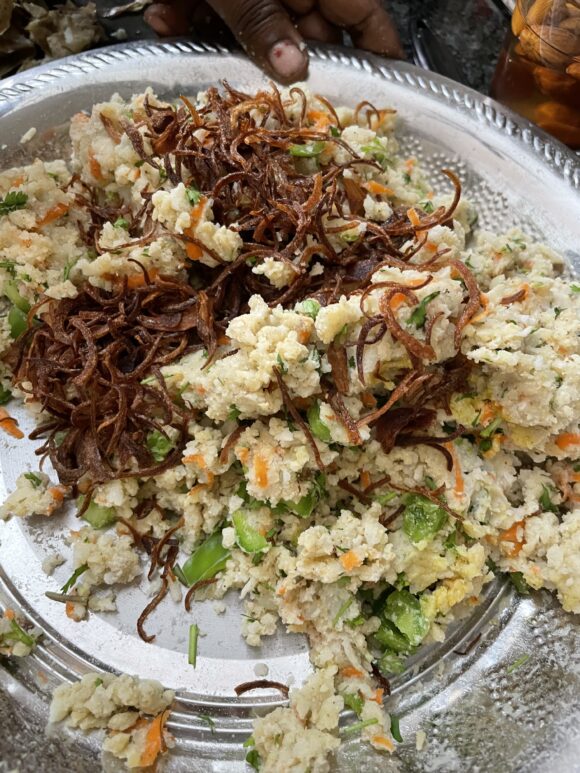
(538, 73)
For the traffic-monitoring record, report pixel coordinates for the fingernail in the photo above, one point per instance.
(286, 58)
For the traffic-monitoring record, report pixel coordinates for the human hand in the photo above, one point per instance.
(272, 32)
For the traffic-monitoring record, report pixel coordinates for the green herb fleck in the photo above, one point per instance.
(74, 577)
(308, 150)
(193, 195)
(310, 307)
(354, 702)
(159, 445)
(521, 586)
(517, 663)
(575, 288)
(5, 395)
(344, 607)
(406, 177)
(335, 131)
(490, 428)
(404, 611)
(12, 201)
(318, 427)
(546, 502)
(422, 519)
(36, 480)
(358, 726)
(208, 721)
(192, 647)
(419, 314)
(98, 681)
(281, 364)
(121, 222)
(233, 413)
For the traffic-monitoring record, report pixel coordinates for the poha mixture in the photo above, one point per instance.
(267, 354)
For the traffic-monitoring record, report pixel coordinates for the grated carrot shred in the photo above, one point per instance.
(365, 479)
(382, 740)
(154, 740)
(413, 216)
(10, 425)
(198, 459)
(261, 471)
(378, 696)
(350, 672)
(511, 535)
(193, 251)
(459, 486)
(56, 493)
(378, 189)
(350, 560)
(52, 214)
(397, 301)
(138, 280)
(567, 439)
(95, 167)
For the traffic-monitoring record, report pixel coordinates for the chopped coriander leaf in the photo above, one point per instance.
(159, 445)
(358, 726)
(419, 314)
(545, 501)
(557, 311)
(575, 288)
(192, 646)
(36, 480)
(334, 131)
(98, 681)
(74, 577)
(9, 265)
(427, 206)
(67, 269)
(318, 427)
(234, 413)
(517, 663)
(253, 759)
(384, 499)
(121, 222)
(310, 307)
(351, 362)
(404, 611)
(17, 322)
(395, 730)
(406, 177)
(11, 292)
(451, 540)
(193, 195)
(354, 702)
(521, 586)
(5, 395)
(12, 201)
(281, 364)
(308, 150)
(485, 445)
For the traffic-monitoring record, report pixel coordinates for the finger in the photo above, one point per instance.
(368, 23)
(313, 26)
(267, 34)
(300, 7)
(168, 19)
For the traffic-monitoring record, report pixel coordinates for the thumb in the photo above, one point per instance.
(267, 34)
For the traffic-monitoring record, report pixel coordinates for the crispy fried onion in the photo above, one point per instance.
(261, 684)
(93, 363)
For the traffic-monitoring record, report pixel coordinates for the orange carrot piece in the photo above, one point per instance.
(350, 672)
(54, 213)
(378, 189)
(154, 742)
(350, 560)
(378, 696)
(459, 486)
(261, 471)
(511, 535)
(10, 425)
(382, 740)
(9, 614)
(138, 280)
(413, 216)
(397, 301)
(567, 439)
(95, 167)
(198, 459)
(365, 479)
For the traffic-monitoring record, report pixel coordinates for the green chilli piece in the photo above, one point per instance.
(248, 539)
(422, 519)
(358, 726)
(17, 321)
(318, 427)
(419, 314)
(391, 639)
(98, 516)
(74, 577)
(159, 445)
(206, 561)
(11, 292)
(395, 729)
(389, 663)
(489, 430)
(404, 611)
(308, 150)
(192, 647)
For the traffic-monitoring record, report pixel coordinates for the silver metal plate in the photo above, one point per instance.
(477, 713)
